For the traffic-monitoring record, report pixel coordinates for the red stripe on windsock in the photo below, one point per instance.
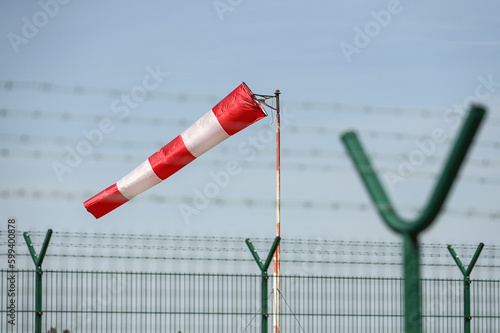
(235, 112)
(238, 110)
(171, 158)
(104, 202)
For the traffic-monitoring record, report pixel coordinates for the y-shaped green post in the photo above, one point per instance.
(38, 260)
(410, 229)
(467, 281)
(265, 277)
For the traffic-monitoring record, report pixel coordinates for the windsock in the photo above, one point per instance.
(236, 111)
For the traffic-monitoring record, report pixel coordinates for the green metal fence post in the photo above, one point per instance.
(412, 283)
(467, 281)
(411, 229)
(265, 277)
(38, 260)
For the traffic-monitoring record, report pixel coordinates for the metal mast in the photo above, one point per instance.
(276, 281)
(276, 256)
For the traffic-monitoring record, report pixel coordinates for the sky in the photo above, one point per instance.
(403, 74)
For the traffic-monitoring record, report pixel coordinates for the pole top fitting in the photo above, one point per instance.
(277, 92)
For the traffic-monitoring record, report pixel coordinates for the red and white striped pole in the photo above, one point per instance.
(276, 281)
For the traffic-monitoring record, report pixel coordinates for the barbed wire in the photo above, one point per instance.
(324, 167)
(217, 240)
(67, 116)
(283, 261)
(248, 202)
(185, 122)
(26, 139)
(314, 153)
(321, 253)
(79, 90)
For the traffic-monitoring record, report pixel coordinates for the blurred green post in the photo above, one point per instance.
(411, 229)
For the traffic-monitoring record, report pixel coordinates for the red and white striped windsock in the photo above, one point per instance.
(236, 111)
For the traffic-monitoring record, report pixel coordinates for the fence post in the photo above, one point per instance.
(411, 229)
(467, 281)
(265, 277)
(38, 260)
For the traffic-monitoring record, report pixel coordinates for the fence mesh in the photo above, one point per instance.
(316, 299)
(91, 301)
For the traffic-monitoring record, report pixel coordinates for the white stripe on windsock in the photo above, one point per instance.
(139, 180)
(204, 134)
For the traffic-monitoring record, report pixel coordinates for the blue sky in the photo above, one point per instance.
(419, 63)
